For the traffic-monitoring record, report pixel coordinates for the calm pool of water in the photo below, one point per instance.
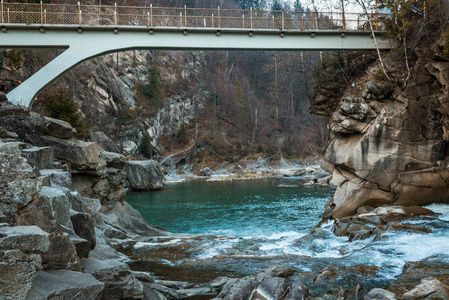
(257, 208)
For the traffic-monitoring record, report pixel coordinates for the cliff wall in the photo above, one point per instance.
(389, 138)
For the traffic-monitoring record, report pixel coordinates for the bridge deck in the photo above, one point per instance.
(154, 17)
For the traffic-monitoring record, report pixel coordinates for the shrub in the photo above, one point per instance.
(60, 105)
(15, 56)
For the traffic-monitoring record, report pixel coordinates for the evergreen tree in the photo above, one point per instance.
(153, 88)
(297, 6)
(60, 105)
(182, 135)
(277, 5)
(145, 146)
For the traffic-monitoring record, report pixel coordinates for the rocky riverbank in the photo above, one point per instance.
(64, 229)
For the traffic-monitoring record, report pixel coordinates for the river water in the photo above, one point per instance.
(241, 227)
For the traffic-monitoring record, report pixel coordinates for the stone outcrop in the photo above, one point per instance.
(54, 241)
(268, 284)
(389, 144)
(144, 175)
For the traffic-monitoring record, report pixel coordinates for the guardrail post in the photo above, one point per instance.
(3, 12)
(45, 16)
(180, 19)
(7, 15)
(219, 21)
(282, 20)
(273, 20)
(151, 15)
(212, 21)
(79, 13)
(42, 14)
(115, 14)
(148, 19)
(302, 22)
(243, 20)
(185, 15)
(313, 20)
(251, 17)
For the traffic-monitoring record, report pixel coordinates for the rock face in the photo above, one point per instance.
(389, 144)
(54, 241)
(144, 175)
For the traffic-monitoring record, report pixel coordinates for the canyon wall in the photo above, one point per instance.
(389, 139)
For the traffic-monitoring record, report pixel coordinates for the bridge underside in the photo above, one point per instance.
(85, 43)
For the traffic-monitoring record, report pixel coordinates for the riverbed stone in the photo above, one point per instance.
(64, 284)
(430, 288)
(144, 175)
(379, 294)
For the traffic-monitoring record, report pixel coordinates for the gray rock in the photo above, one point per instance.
(275, 271)
(84, 226)
(18, 271)
(59, 203)
(206, 172)
(64, 284)
(39, 157)
(82, 156)
(237, 289)
(124, 218)
(120, 283)
(218, 282)
(380, 294)
(372, 88)
(103, 140)
(114, 160)
(91, 206)
(169, 292)
(143, 276)
(428, 287)
(58, 178)
(144, 175)
(24, 238)
(58, 128)
(299, 292)
(175, 284)
(273, 288)
(151, 294)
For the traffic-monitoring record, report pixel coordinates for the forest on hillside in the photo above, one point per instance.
(256, 104)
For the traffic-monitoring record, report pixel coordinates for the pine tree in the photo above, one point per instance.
(297, 6)
(145, 146)
(153, 88)
(277, 5)
(60, 105)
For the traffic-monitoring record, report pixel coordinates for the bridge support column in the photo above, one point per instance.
(25, 93)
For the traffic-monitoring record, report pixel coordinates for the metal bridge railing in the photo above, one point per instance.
(153, 17)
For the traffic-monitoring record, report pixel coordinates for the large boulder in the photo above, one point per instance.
(103, 140)
(144, 175)
(82, 156)
(64, 284)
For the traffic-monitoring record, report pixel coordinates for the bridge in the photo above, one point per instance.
(87, 31)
